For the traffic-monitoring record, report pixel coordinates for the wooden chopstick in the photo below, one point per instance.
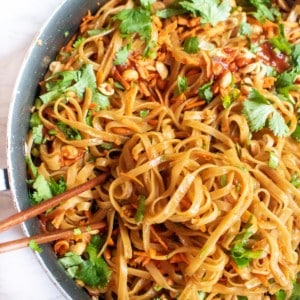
(33, 211)
(48, 237)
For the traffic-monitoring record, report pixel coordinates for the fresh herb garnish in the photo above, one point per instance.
(245, 29)
(122, 55)
(135, 20)
(273, 160)
(90, 268)
(205, 91)
(139, 215)
(280, 42)
(259, 113)
(181, 85)
(239, 252)
(34, 246)
(210, 11)
(191, 45)
(69, 132)
(76, 81)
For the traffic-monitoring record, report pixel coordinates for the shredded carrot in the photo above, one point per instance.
(179, 257)
(194, 104)
(158, 238)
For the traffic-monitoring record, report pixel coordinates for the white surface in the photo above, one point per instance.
(21, 276)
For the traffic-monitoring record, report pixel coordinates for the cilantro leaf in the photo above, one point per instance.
(239, 251)
(79, 41)
(32, 167)
(37, 132)
(296, 55)
(264, 10)
(34, 120)
(34, 246)
(93, 270)
(122, 55)
(245, 29)
(191, 45)
(295, 180)
(181, 85)
(281, 43)
(296, 133)
(211, 11)
(285, 82)
(69, 132)
(57, 187)
(205, 91)
(135, 20)
(278, 125)
(76, 81)
(41, 190)
(259, 112)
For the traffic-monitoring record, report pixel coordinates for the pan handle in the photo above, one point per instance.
(4, 184)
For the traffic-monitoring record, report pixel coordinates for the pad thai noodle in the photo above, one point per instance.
(190, 108)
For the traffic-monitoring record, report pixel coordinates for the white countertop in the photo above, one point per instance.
(21, 275)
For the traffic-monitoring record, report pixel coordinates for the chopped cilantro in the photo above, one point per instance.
(181, 85)
(37, 133)
(31, 166)
(296, 55)
(280, 42)
(78, 42)
(239, 251)
(76, 81)
(139, 215)
(34, 246)
(285, 82)
(191, 45)
(205, 91)
(89, 118)
(101, 100)
(122, 55)
(280, 295)
(245, 29)
(34, 120)
(170, 12)
(135, 20)
(150, 50)
(144, 113)
(106, 146)
(296, 134)
(57, 187)
(69, 132)
(273, 160)
(232, 96)
(223, 180)
(295, 180)
(146, 3)
(41, 190)
(90, 268)
(264, 10)
(201, 295)
(259, 112)
(77, 231)
(210, 11)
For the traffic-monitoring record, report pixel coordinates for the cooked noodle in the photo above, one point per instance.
(188, 177)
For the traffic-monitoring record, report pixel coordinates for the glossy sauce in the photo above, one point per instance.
(271, 57)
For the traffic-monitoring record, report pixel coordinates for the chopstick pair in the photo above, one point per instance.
(33, 211)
